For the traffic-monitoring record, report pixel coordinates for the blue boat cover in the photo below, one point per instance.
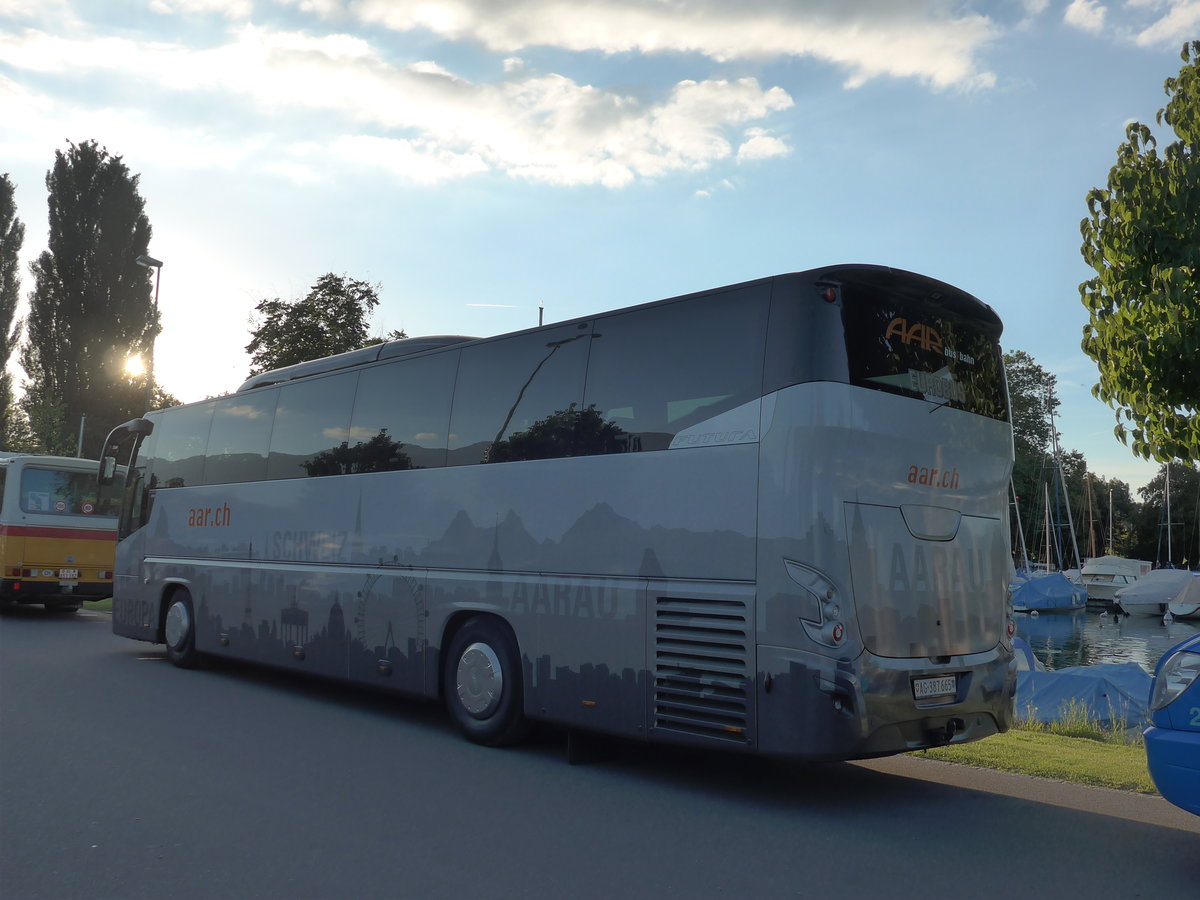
(1113, 694)
(1046, 592)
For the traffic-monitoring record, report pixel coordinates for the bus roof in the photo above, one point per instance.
(918, 285)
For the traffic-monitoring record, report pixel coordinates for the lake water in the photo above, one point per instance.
(1084, 638)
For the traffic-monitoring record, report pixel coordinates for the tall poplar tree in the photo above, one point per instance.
(12, 235)
(91, 305)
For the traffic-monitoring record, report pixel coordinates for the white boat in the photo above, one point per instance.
(1105, 575)
(1160, 590)
(1187, 605)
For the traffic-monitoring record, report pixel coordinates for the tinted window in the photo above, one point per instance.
(401, 415)
(519, 398)
(180, 437)
(240, 437)
(312, 426)
(924, 344)
(655, 372)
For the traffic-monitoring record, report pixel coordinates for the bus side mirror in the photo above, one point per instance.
(108, 469)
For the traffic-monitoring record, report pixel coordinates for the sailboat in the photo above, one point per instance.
(1160, 591)
(1103, 576)
(1164, 590)
(1045, 589)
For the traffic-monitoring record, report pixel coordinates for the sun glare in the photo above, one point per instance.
(135, 366)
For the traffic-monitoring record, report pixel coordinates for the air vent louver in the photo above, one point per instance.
(701, 678)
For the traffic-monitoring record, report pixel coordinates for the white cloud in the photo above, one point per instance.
(1178, 25)
(1086, 15)
(759, 144)
(933, 41)
(419, 121)
(233, 9)
(56, 14)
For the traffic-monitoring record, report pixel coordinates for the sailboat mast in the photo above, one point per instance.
(1058, 468)
(1167, 502)
(1091, 519)
(1020, 530)
(1110, 541)
(1046, 495)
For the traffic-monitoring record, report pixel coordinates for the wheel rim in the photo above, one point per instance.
(178, 624)
(480, 680)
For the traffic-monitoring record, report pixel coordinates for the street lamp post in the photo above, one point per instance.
(149, 262)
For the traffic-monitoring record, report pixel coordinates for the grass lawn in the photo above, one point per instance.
(1102, 762)
(104, 605)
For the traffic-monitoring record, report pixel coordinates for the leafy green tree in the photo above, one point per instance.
(1110, 500)
(331, 318)
(1030, 397)
(1140, 236)
(12, 235)
(91, 307)
(1150, 537)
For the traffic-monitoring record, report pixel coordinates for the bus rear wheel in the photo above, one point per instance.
(179, 631)
(483, 683)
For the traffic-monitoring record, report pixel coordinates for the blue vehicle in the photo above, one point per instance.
(1173, 740)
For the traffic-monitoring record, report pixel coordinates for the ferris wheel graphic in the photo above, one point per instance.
(369, 601)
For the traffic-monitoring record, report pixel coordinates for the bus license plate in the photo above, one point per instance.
(941, 686)
(68, 574)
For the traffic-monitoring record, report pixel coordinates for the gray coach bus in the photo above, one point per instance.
(768, 517)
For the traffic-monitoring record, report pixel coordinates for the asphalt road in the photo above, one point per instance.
(124, 777)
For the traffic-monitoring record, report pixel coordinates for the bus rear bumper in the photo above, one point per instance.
(23, 591)
(818, 708)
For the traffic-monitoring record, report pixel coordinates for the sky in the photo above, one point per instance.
(479, 159)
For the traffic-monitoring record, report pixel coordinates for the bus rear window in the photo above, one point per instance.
(59, 492)
(926, 349)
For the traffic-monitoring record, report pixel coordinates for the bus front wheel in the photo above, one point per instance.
(482, 680)
(179, 631)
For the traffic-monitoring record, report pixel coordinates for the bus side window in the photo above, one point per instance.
(519, 398)
(240, 437)
(312, 427)
(656, 372)
(180, 439)
(402, 414)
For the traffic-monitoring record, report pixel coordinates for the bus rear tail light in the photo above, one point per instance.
(1012, 629)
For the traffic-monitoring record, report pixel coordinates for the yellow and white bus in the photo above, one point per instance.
(56, 542)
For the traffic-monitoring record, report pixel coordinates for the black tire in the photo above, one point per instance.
(179, 631)
(482, 680)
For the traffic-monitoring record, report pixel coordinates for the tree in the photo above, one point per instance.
(91, 307)
(1151, 533)
(331, 318)
(1030, 390)
(1144, 302)
(12, 236)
